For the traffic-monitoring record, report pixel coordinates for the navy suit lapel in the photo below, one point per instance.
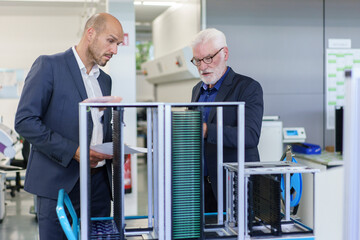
(196, 94)
(224, 90)
(106, 91)
(75, 73)
(104, 85)
(79, 83)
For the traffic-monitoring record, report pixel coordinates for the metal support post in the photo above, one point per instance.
(352, 154)
(287, 196)
(228, 195)
(241, 171)
(168, 171)
(314, 200)
(149, 166)
(156, 169)
(246, 205)
(160, 176)
(84, 174)
(220, 196)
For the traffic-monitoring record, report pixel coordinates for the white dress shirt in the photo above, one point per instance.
(92, 90)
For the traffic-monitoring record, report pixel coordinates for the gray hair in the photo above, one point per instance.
(209, 35)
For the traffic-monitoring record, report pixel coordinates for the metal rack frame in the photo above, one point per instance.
(159, 168)
(159, 159)
(268, 168)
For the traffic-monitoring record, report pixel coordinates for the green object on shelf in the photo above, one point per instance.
(186, 174)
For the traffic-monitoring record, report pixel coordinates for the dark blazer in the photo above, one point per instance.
(48, 117)
(234, 88)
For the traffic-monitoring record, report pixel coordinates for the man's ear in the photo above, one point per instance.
(226, 52)
(90, 32)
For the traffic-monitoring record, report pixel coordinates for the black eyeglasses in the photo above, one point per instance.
(207, 60)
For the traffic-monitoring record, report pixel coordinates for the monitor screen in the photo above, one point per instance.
(292, 132)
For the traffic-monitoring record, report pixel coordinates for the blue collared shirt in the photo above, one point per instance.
(208, 95)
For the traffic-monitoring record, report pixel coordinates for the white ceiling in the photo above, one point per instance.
(144, 14)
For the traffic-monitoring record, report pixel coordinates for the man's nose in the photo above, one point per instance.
(114, 49)
(202, 66)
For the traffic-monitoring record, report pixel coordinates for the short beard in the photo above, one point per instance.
(93, 55)
(217, 73)
(208, 81)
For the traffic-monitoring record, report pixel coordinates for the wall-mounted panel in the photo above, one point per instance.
(342, 21)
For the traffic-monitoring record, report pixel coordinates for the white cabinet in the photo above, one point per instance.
(329, 195)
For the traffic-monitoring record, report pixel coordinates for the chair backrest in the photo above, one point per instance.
(71, 231)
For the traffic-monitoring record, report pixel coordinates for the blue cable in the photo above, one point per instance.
(296, 184)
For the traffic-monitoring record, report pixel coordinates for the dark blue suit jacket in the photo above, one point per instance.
(48, 117)
(235, 88)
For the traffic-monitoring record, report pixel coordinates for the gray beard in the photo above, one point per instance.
(212, 82)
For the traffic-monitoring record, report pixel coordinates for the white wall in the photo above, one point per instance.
(173, 30)
(281, 46)
(144, 89)
(176, 91)
(32, 29)
(29, 30)
(122, 69)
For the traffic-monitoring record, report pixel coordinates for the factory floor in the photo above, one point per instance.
(20, 224)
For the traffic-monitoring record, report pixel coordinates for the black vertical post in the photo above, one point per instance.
(118, 170)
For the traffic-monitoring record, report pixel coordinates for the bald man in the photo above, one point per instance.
(48, 117)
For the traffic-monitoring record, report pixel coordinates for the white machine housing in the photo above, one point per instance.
(2, 196)
(271, 139)
(175, 66)
(9, 142)
(9, 146)
(294, 134)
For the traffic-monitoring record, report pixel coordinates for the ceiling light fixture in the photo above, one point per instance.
(155, 3)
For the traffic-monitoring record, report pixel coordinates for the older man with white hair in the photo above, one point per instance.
(221, 84)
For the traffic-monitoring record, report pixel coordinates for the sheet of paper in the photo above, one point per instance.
(107, 148)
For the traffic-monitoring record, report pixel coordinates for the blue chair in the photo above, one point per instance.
(71, 231)
(104, 226)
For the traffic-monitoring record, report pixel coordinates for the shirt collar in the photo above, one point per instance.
(218, 83)
(95, 71)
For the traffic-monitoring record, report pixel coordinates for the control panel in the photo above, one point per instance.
(294, 134)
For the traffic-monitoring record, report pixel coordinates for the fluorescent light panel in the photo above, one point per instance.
(159, 3)
(154, 3)
(56, 1)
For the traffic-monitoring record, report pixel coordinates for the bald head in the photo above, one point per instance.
(98, 22)
(102, 35)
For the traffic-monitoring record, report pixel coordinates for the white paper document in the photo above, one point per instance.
(107, 148)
